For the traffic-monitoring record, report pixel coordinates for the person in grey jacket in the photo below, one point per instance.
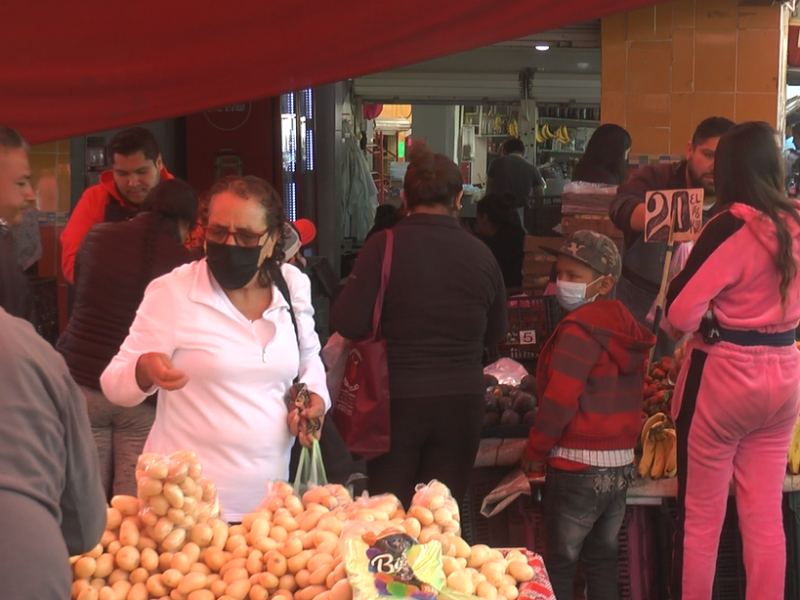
(643, 262)
(52, 503)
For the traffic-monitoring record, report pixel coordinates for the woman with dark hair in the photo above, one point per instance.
(737, 396)
(605, 159)
(498, 226)
(216, 340)
(114, 265)
(445, 299)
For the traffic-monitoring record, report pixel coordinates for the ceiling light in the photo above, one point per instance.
(542, 47)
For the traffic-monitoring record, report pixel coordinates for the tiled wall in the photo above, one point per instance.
(669, 66)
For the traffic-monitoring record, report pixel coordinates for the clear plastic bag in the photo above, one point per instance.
(279, 494)
(330, 496)
(382, 561)
(310, 470)
(383, 507)
(174, 497)
(506, 371)
(434, 507)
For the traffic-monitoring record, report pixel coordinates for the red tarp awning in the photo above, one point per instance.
(71, 68)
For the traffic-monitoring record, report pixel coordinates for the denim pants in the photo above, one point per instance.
(583, 512)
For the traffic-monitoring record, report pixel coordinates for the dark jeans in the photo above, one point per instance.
(583, 512)
(432, 438)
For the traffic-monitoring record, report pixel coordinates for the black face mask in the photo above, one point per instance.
(232, 266)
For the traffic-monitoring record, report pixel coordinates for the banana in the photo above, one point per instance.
(671, 464)
(660, 458)
(565, 134)
(546, 133)
(654, 421)
(794, 450)
(648, 455)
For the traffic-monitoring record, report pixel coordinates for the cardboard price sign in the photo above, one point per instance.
(665, 208)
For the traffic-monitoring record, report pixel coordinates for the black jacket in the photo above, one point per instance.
(112, 269)
(16, 296)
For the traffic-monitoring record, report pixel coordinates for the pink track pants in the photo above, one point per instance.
(734, 408)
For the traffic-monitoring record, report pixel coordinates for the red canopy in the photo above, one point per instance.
(71, 68)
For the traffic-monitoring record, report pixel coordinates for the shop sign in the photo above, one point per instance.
(230, 117)
(681, 210)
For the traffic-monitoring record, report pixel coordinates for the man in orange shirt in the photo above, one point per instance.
(136, 168)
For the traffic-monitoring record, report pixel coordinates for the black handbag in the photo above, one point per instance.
(340, 465)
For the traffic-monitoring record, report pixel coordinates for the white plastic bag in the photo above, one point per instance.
(506, 371)
(334, 357)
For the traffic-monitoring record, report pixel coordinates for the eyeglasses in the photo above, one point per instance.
(242, 237)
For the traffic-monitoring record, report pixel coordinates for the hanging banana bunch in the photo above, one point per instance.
(659, 448)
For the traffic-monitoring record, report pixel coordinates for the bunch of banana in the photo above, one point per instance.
(539, 136)
(659, 448)
(562, 135)
(498, 123)
(513, 128)
(794, 450)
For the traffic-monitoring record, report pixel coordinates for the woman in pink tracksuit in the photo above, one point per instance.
(736, 400)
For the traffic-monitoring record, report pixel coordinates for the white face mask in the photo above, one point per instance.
(572, 294)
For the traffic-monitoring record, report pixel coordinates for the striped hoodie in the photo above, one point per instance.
(590, 379)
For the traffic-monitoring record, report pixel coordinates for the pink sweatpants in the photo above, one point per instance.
(734, 408)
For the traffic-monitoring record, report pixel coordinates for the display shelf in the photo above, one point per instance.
(570, 152)
(491, 135)
(573, 122)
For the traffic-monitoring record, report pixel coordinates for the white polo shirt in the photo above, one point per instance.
(232, 411)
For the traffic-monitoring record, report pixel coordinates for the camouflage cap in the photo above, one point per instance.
(593, 249)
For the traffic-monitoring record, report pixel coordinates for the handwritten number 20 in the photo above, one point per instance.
(658, 206)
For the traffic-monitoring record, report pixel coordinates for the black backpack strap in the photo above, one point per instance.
(280, 282)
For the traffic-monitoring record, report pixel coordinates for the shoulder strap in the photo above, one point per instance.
(385, 272)
(280, 282)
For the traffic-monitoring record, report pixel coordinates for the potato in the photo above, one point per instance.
(128, 533)
(172, 492)
(199, 567)
(138, 575)
(149, 487)
(317, 560)
(234, 563)
(421, 514)
(117, 575)
(174, 541)
(298, 561)
(146, 542)
(164, 560)
(291, 547)
(486, 590)
(176, 595)
(282, 594)
(259, 528)
(121, 589)
(220, 529)
(461, 582)
(214, 558)
(478, 555)
(509, 591)
(303, 578)
(128, 506)
(138, 591)
(77, 587)
(162, 529)
(108, 537)
(520, 571)
(113, 518)
(278, 533)
(218, 587)
(201, 595)
(342, 590)
(311, 592)
(180, 562)
(88, 593)
(105, 593)
(276, 564)
(268, 581)
(191, 582)
(191, 550)
(289, 523)
(155, 586)
(171, 578)
(287, 583)
(258, 592)
(493, 576)
(159, 505)
(85, 567)
(127, 558)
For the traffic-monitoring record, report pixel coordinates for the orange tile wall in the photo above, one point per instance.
(668, 67)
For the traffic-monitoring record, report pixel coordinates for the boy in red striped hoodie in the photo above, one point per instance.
(590, 378)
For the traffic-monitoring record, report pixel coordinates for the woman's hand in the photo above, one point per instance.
(296, 419)
(155, 368)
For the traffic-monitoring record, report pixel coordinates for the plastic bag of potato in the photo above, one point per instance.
(174, 497)
(435, 509)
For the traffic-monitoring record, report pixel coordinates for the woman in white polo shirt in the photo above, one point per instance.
(216, 339)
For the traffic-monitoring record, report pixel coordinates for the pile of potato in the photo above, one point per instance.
(287, 550)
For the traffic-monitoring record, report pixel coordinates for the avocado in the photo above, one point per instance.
(510, 418)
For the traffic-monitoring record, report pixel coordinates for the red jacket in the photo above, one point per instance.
(91, 210)
(590, 378)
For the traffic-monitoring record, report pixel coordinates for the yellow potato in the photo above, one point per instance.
(259, 528)
(189, 487)
(113, 518)
(174, 541)
(486, 590)
(149, 487)
(146, 542)
(328, 547)
(128, 533)
(176, 595)
(200, 595)
(138, 591)
(191, 550)
(103, 567)
(342, 590)
(517, 555)
(105, 593)
(107, 538)
(310, 592)
(520, 571)
(128, 506)
(85, 567)
(202, 534)
(199, 567)
(220, 529)
(450, 565)
(191, 582)
(236, 575)
(278, 533)
(276, 564)
(258, 592)
(282, 594)
(164, 560)
(421, 514)
(176, 515)
(461, 582)
(218, 587)
(171, 578)
(234, 563)
(268, 581)
(509, 591)
(117, 575)
(88, 593)
(240, 551)
(174, 495)
(138, 575)
(78, 586)
(287, 583)
(255, 562)
(479, 554)
(127, 558)
(121, 589)
(159, 505)
(320, 575)
(180, 562)
(162, 529)
(155, 586)
(299, 561)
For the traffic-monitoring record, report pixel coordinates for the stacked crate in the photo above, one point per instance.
(588, 210)
(570, 223)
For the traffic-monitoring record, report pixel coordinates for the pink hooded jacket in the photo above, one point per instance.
(733, 265)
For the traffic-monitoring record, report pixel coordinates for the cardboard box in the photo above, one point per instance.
(532, 243)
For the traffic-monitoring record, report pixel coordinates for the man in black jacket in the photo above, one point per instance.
(643, 263)
(16, 296)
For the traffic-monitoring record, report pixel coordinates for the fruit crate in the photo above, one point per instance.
(638, 556)
(543, 215)
(531, 320)
(505, 530)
